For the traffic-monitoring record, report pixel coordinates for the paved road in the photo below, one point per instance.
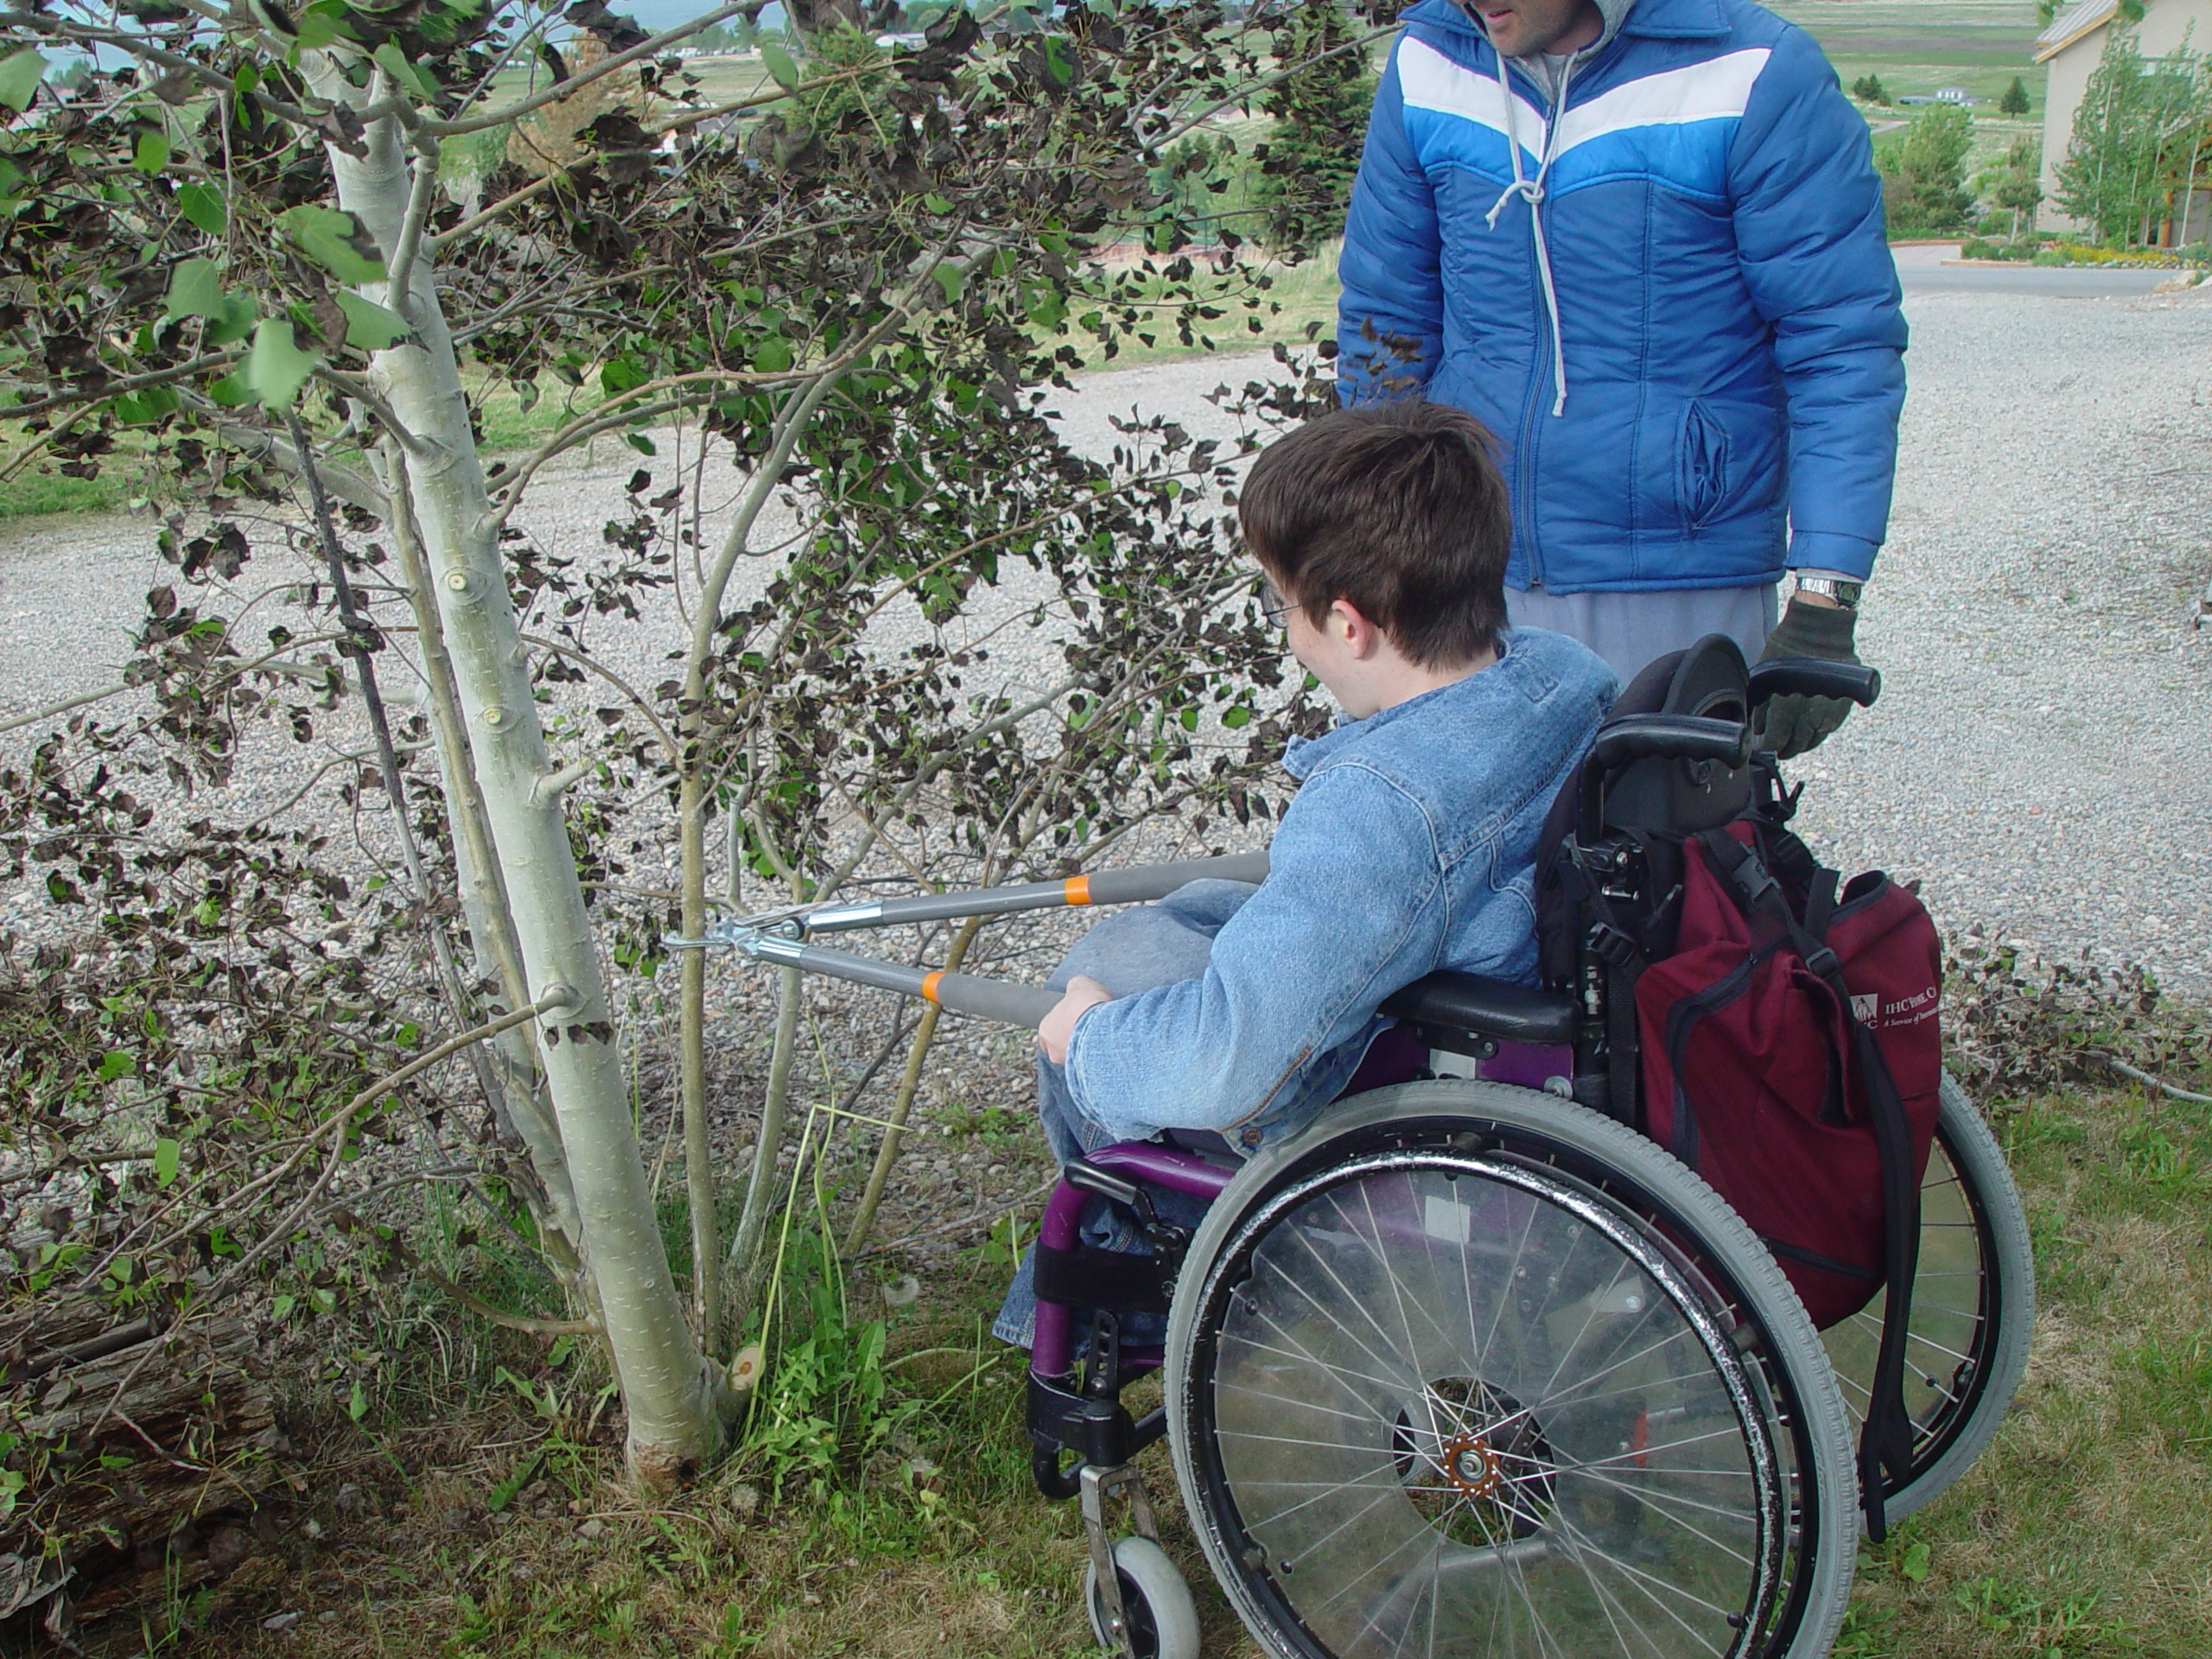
(1929, 270)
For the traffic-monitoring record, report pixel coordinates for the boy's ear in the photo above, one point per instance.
(1361, 634)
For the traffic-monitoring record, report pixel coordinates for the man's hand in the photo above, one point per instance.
(1084, 994)
(1812, 626)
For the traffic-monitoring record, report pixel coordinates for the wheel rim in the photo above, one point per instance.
(1527, 1431)
(1954, 1317)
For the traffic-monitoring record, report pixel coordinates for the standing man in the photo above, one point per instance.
(1641, 240)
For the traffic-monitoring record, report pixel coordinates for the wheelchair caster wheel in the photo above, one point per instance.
(1162, 1620)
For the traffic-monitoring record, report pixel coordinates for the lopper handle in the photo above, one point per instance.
(991, 999)
(1105, 888)
(1157, 880)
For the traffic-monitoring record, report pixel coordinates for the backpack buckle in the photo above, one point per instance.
(1612, 946)
(1824, 963)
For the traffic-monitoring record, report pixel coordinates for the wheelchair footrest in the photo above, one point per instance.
(1099, 1432)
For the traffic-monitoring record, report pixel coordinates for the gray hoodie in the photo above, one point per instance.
(1553, 71)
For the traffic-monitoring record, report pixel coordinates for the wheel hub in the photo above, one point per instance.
(1475, 1464)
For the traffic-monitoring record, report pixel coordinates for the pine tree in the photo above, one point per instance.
(2014, 101)
(1320, 110)
(1868, 89)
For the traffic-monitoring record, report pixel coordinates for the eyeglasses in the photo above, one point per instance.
(1273, 605)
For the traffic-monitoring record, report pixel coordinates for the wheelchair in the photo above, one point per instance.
(1469, 1365)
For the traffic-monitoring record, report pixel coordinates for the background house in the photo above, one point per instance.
(2069, 49)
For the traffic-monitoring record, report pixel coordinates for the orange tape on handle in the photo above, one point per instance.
(1079, 890)
(929, 983)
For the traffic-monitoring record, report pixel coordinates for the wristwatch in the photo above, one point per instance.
(1845, 593)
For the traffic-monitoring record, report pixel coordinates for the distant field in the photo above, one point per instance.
(1920, 45)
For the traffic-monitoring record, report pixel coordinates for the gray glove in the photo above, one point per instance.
(1791, 725)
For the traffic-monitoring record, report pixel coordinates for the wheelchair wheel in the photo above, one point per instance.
(1973, 1309)
(1466, 1369)
(1163, 1619)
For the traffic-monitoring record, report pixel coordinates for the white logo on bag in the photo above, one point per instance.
(1869, 1009)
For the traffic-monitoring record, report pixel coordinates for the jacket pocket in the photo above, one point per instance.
(1702, 463)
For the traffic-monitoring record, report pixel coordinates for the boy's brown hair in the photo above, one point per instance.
(1398, 507)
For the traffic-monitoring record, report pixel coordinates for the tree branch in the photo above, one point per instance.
(576, 83)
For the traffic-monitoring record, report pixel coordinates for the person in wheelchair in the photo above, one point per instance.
(1383, 531)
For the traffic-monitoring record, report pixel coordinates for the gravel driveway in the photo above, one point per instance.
(2042, 758)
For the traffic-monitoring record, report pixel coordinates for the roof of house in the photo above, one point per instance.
(2083, 17)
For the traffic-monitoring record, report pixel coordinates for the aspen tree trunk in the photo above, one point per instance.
(673, 1393)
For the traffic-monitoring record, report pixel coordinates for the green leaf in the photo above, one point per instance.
(165, 1157)
(230, 391)
(320, 26)
(276, 368)
(357, 1406)
(1913, 1562)
(143, 409)
(772, 355)
(335, 242)
(951, 279)
(394, 62)
(777, 61)
(116, 1063)
(202, 204)
(19, 78)
(232, 320)
(369, 327)
(1235, 718)
(196, 290)
(620, 374)
(151, 154)
(640, 442)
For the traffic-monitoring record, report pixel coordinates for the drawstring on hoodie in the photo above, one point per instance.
(1532, 192)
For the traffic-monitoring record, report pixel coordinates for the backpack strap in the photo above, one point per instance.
(1886, 1439)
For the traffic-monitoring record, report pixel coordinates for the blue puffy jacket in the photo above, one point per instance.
(1710, 273)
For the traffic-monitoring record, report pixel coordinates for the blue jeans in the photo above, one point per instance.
(1129, 952)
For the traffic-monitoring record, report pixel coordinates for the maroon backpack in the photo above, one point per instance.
(1792, 1054)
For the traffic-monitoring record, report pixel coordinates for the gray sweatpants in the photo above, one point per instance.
(1628, 630)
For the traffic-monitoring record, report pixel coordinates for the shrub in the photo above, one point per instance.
(1868, 89)
(1923, 190)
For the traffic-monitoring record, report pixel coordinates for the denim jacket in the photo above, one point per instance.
(1410, 847)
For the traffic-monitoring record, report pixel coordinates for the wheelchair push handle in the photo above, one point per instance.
(1814, 676)
(1669, 737)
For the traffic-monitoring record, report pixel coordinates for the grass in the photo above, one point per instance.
(1919, 46)
(901, 1521)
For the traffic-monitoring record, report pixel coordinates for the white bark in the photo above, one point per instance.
(672, 1391)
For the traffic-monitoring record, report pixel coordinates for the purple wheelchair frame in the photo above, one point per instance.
(1082, 1413)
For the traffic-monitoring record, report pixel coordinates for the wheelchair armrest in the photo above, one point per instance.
(1813, 677)
(1489, 1008)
